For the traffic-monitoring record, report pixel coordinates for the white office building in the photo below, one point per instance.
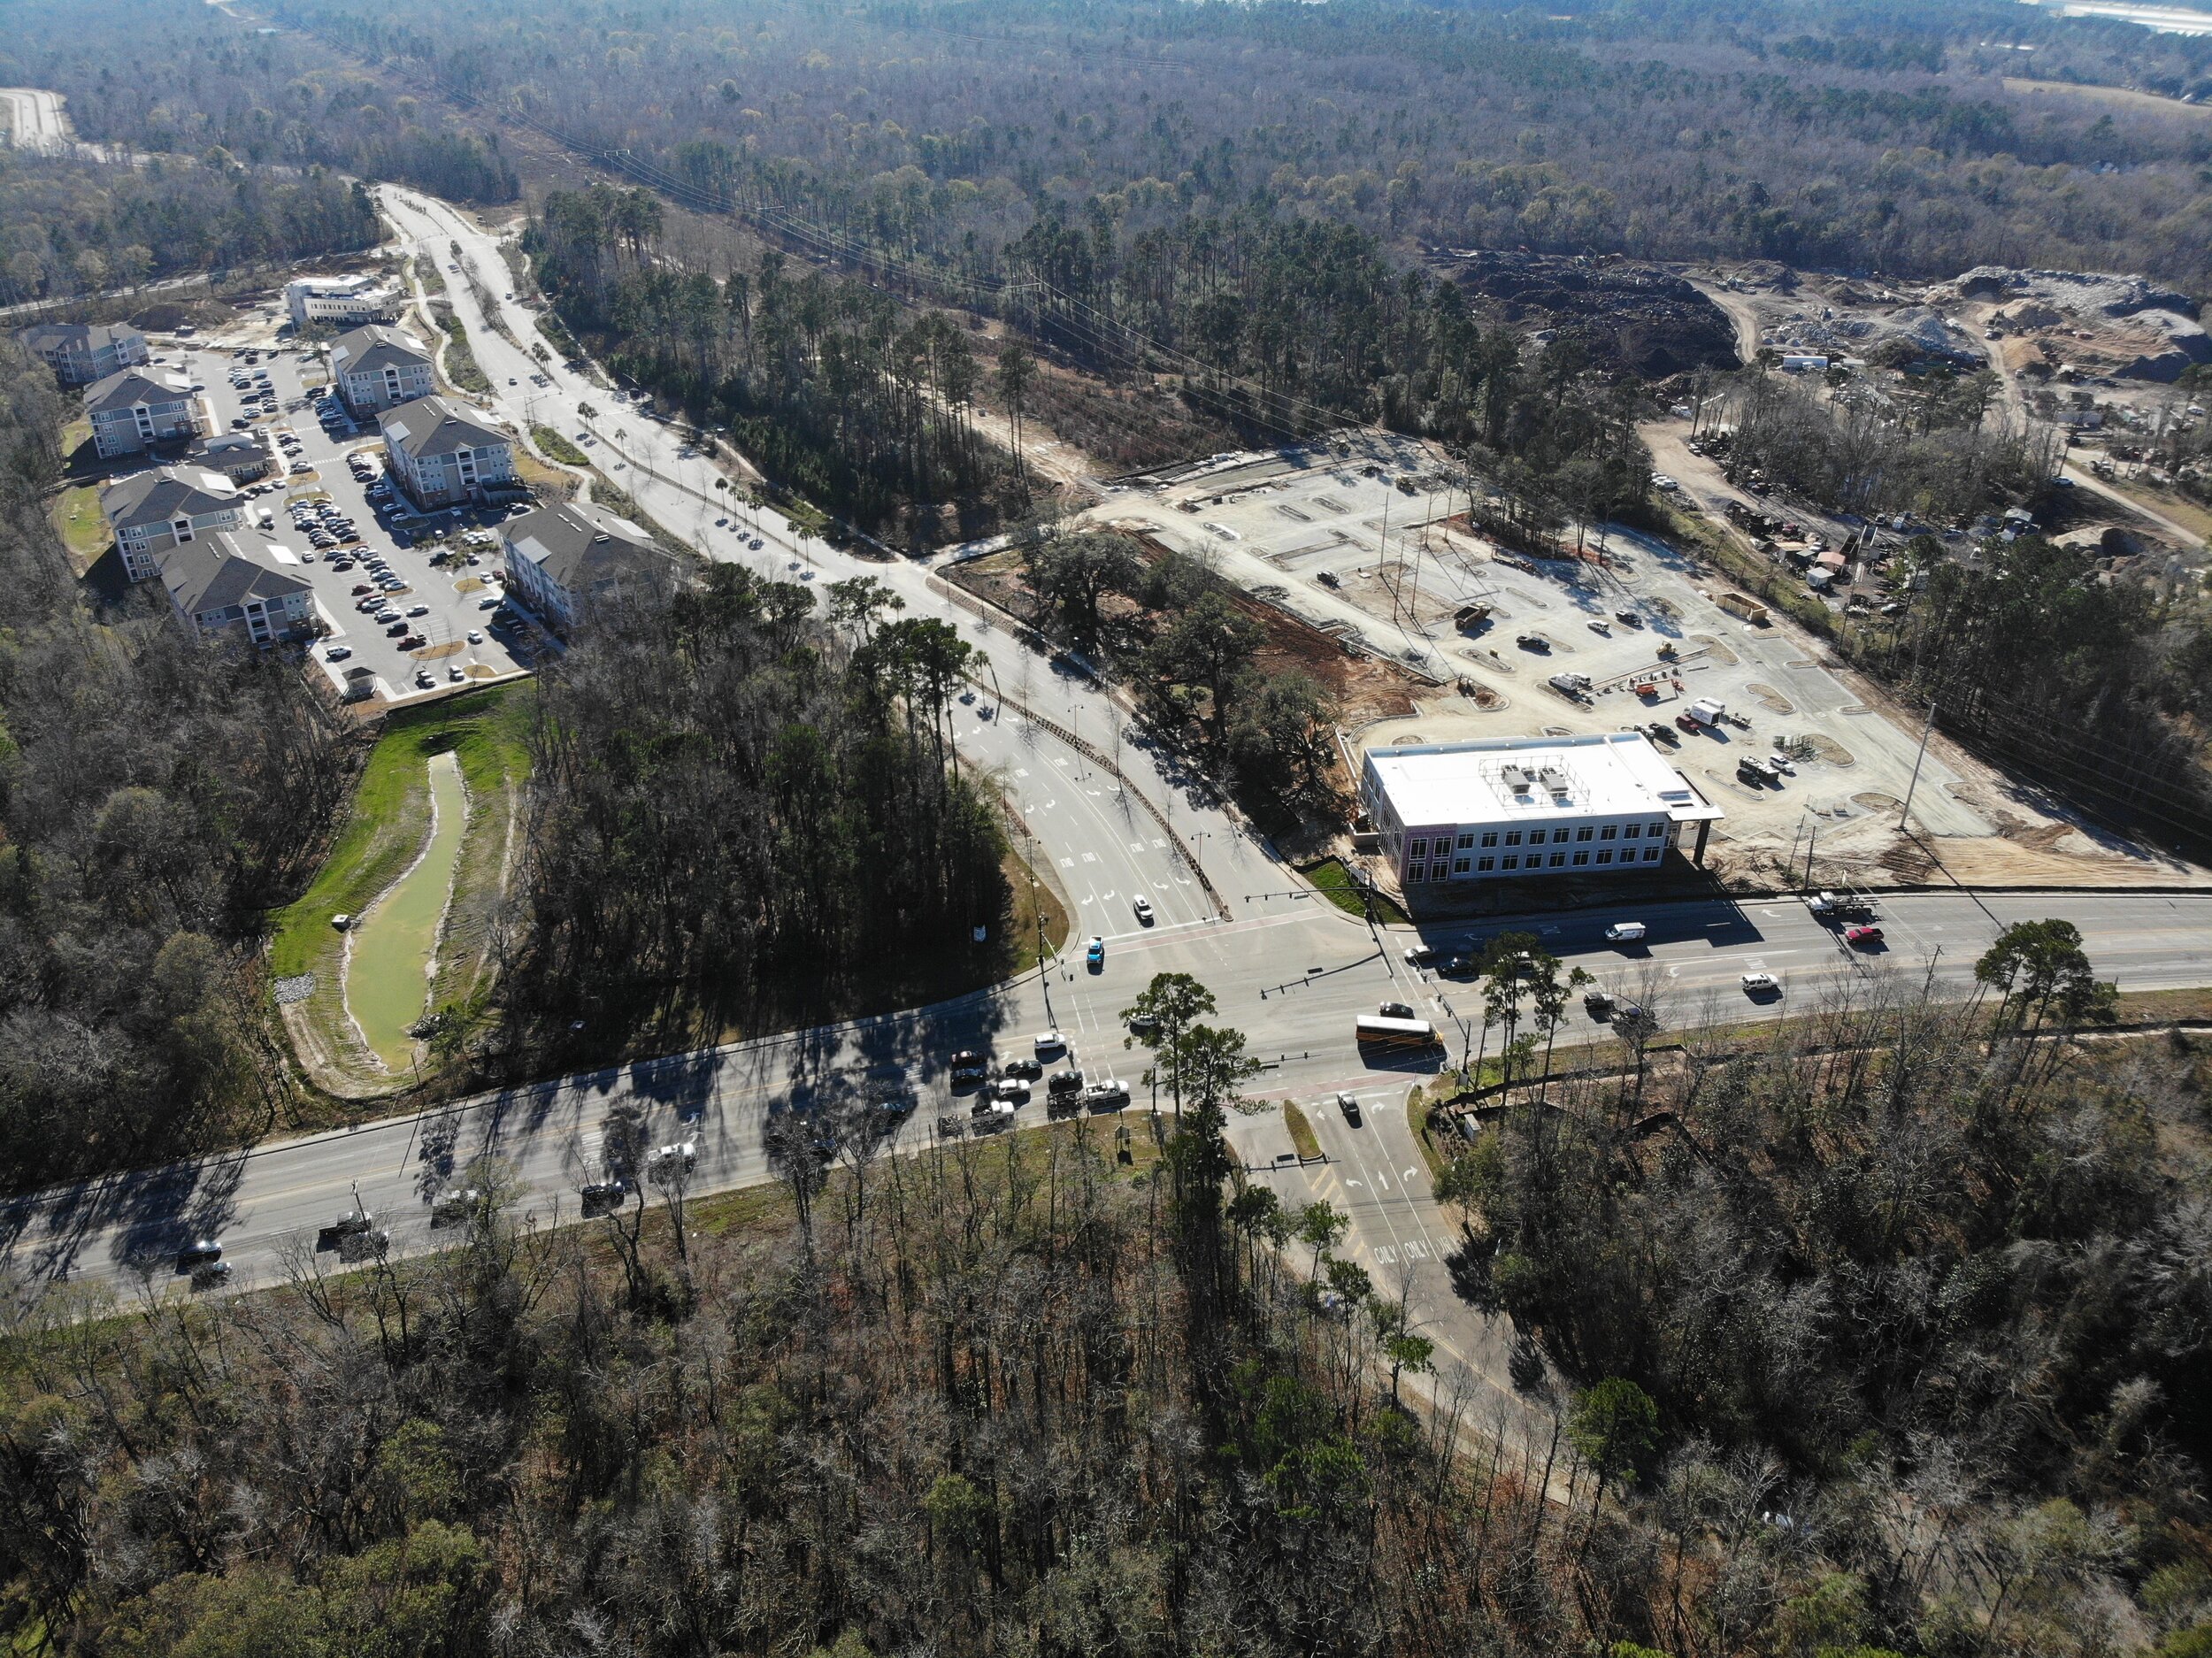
(1512, 807)
(341, 301)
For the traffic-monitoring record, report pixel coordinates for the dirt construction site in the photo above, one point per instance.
(1364, 538)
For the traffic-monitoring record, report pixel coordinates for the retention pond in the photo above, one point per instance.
(388, 973)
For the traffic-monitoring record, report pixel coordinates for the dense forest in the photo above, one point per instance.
(829, 385)
(738, 809)
(2098, 687)
(199, 83)
(1814, 132)
(154, 795)
(1886, 1342)
(70, 226)
(1928, 1277)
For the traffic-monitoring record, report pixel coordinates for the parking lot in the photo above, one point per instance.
(444, 627)
(1361, 545)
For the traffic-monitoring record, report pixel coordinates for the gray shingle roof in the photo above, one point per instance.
(367, 349)
(226, 568)
(157, 497)
(437, 425)
(127, 387)
(582, 548)
(49, 336)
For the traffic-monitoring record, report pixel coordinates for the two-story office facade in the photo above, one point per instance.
(446, 454)
(377, 368)
(1509, 808)
(137, 409)
(80, 353)
(341, 302)
(152, 511)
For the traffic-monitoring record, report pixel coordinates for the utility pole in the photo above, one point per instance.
(1926, 726)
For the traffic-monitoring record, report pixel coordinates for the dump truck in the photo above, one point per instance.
(1467, 617)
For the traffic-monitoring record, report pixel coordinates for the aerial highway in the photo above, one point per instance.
(1289, 969)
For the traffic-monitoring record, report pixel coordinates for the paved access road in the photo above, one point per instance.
(1291, 975)
(1289, 971)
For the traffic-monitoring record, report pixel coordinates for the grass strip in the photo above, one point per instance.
(1334, 882)
(460, 362)
(556, 448)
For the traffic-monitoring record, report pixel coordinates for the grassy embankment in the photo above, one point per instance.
(1333, 882)
(1771, 584)
(2189, 514)
(382, 835)
(84, 530)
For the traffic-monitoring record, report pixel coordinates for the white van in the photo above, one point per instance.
(1625, 931)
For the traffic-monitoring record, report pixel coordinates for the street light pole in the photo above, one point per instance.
(1928, 725)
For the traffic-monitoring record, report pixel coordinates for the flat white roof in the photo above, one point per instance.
(1618, 774)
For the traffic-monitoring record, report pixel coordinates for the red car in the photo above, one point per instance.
(1860, 937)
(360, 587)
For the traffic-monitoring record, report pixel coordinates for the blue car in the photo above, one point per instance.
(1095, 956)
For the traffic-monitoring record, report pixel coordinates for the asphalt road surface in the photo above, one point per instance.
(1292, 977)
(1288, 970)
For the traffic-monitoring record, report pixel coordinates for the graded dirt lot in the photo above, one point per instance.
(1354, 541)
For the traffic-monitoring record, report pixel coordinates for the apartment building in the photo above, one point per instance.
(80, 353)
(152, 511)
(136, 408)
(563, 559)
(441, 453)
(231, 584)
(377, 368)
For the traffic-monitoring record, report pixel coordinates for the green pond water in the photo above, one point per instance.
(388, 979)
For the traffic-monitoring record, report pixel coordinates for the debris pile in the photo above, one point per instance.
(1626, 316)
